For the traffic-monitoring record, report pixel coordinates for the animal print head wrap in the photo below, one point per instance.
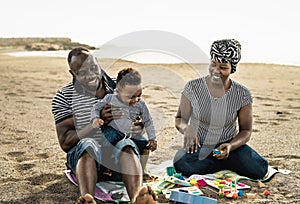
(228, 50)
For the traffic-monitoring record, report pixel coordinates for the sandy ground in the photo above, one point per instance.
(32, 163)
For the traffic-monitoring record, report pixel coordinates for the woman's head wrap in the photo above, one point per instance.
(224, 51)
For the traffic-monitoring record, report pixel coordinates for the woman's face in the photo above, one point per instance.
(219, 72)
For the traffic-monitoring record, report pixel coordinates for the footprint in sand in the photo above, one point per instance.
(159, 102)
(281, 119)
(266, 98)
(15, 154)
(292, 107)
(6, 142)
(44, 178)
(24, 167)
(22, 101)
(145, 96)
(45, 97)
(267, 104)
(261, 122)
(42, 156)
(11, 94)
(292, 99)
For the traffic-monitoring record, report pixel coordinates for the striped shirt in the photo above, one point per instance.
(70, 101)
(215, 119)
(130, 114)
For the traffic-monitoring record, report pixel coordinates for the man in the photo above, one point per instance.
(71, 108)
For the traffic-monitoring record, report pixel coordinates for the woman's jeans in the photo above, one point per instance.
(244, 161)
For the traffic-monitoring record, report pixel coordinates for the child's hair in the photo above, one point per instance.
(128, 76)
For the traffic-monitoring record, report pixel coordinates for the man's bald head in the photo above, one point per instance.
(76, 58)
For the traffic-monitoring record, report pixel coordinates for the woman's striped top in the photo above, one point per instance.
(215, 119)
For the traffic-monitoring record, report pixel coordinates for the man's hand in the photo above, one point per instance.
(191, 141)
(137, 127)
(109, 113)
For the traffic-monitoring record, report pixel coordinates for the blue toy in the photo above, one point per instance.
(216, 151)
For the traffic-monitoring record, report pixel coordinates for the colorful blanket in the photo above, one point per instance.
(105, 191)
(116, 192)
(160, 170)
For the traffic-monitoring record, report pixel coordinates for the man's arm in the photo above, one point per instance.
(68, 136)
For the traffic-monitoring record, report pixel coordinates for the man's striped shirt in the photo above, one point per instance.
(71, 102)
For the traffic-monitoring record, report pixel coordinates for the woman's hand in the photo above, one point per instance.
(191, 141)
(226, 148)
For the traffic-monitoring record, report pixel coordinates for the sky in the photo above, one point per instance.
(267, 29)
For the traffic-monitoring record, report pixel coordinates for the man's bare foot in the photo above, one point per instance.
(146, 196)
(88, 198)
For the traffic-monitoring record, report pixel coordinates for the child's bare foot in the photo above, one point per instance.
(146, 196)
(88, 198)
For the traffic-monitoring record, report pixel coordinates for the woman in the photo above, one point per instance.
(216, 112)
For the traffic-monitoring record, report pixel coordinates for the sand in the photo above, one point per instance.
(32, 163)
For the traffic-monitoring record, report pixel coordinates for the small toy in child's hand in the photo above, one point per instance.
(216, 151)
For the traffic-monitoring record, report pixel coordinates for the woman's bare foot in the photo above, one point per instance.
(88, 198)
(146, 196)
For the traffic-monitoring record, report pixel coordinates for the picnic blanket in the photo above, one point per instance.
(106, 191)
(110, 191)
(160, 170)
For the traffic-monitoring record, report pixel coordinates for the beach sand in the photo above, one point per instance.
(32, 163)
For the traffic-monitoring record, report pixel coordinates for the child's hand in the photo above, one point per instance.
(97, 122)
(152, 145)
(137, 127)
